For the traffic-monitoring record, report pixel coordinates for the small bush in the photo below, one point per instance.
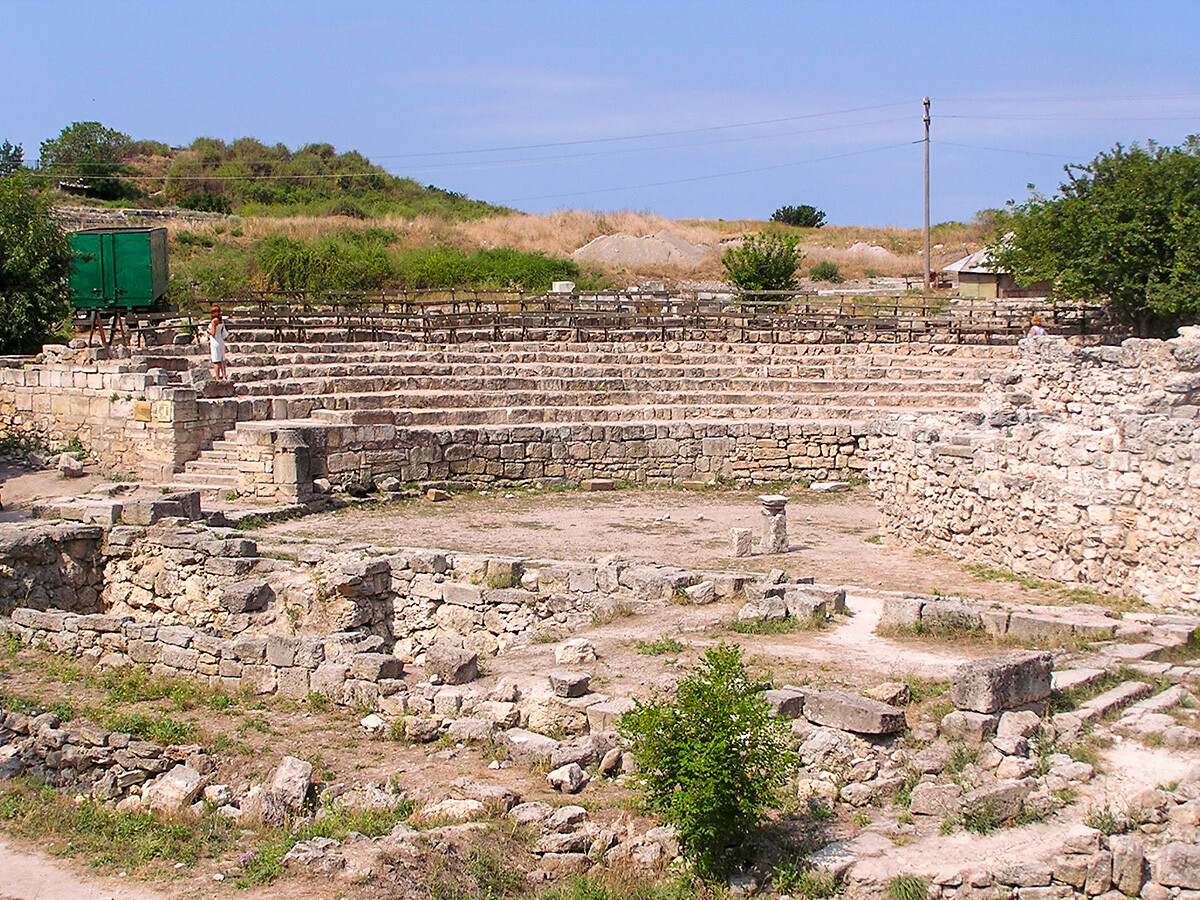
(205, 201)
(826, 271)
(660, 647)
(764, 262)
(804, 216)
(712, 758)
(907, 887)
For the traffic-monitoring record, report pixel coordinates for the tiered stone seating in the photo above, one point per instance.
(494, 384)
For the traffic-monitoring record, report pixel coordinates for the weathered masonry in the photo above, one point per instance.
(1082, 465)
(650, 412)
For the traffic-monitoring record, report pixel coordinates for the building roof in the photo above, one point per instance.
(980, 262)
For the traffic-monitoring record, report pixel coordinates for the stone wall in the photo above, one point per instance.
(371, 446)
(44, 566)
(202, 603)
(1081, 466)
(126, 413)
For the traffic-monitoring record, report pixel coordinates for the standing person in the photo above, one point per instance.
(1035, 327)
(218, 334)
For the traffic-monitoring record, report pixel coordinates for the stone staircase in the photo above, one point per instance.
(491, 384)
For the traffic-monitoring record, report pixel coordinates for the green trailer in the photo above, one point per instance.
(118, 268)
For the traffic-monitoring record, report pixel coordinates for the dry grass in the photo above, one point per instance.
(563, 232)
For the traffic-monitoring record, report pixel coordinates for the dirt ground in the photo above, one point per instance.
(833, 537)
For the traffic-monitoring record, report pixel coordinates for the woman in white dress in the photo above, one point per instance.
(218, 334)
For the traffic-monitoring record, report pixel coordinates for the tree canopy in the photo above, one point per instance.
(1125, 227)
(90, 151)
(35, 263)
(803, 216)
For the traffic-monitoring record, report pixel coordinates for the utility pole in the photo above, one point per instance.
(928, 263)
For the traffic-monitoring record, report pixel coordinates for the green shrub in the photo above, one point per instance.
(206, 201)
(907, 887)
(804, 216)
(764, 262)
(712, 757)
(826, 271)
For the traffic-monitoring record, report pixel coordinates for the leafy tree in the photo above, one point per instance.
(12, 158)
(764, 262)
(1125, 226)
(712, 759)
(92, 152)
(826, 271)
(35, 263)
(802, 216)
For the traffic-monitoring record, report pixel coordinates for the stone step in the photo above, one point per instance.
(207, 465)
(1122, 695)
(207, 482)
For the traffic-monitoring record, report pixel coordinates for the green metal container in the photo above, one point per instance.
(118, 267)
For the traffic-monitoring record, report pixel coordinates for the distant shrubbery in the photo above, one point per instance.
(358, 260)
(826, 271)
(801, 216)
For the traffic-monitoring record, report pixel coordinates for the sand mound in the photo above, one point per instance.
(662, 249)
(869, 253)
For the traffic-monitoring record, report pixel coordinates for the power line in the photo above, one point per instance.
(638, 137)
(999, 149)
(634, 187)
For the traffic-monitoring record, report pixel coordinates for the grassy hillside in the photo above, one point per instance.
(250, 178)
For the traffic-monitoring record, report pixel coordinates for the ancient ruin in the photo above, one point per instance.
(986, 746)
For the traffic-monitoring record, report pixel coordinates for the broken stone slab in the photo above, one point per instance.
(805, 607)
(900, 612)
(527, 745)
(1005, 682)
(175, 790)
(566, 683)
(829, 487)
(1122, 695)
(291, 782)
(603, 716)
(768, 609)
(1131, 652)
(598, 484)
(453, 665)
(1178, 866)
(1006, 799)
(969, 727)
(1065, 679)
(932, 799)
(246, 596)
(574, 652)
(786, 702)
(849, 712)
(701, 594)
(570, 779)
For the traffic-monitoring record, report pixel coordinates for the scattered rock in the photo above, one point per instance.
(569, 779)
(575, 652)
(453, 665)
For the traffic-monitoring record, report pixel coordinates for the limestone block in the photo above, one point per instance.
(999, 683)
(786, 702)
(603, 716)
(566, 683)
(375, 666)
(935, 799)
(291, 781)
(174, 790)
(848, 712)
(574, 652)
(451, 664)
(527, 745)
(1179, 866)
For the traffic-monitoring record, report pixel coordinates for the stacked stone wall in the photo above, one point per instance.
(203, 604)
(59, 566)
(1082, 465)
(106, 764)
(130, 418)
(641, 452)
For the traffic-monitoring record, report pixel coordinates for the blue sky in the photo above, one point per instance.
(688, 109)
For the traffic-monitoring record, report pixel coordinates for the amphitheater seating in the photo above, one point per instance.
(489, 383)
